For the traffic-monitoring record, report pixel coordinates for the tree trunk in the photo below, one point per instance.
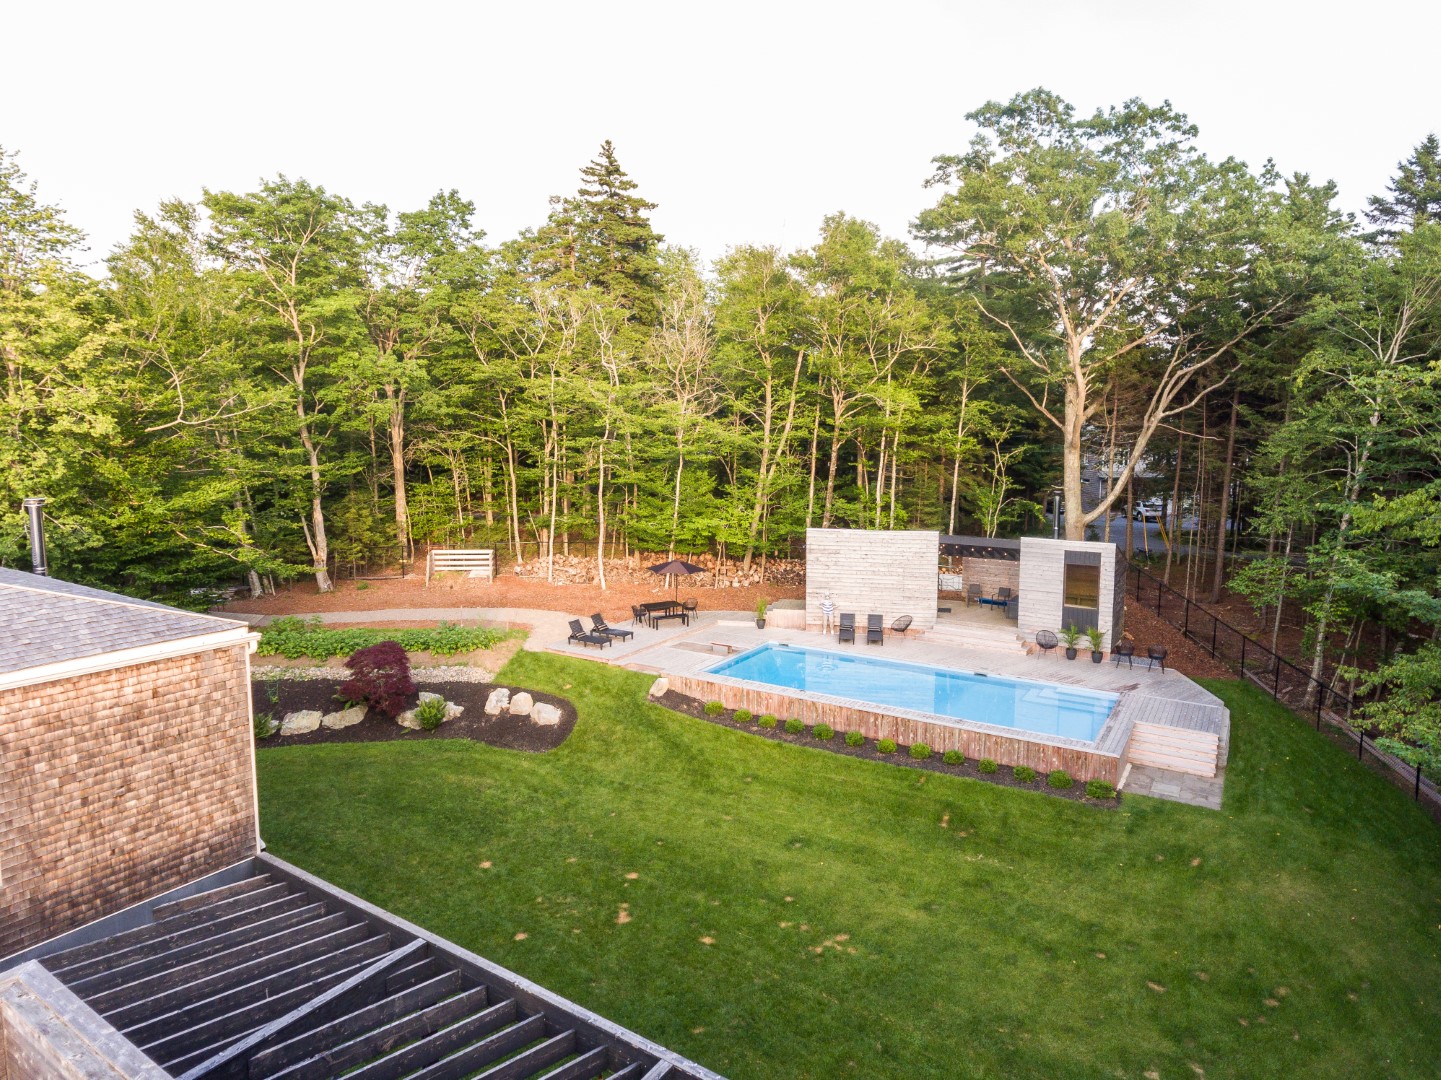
(396, 432)
(1224, 513)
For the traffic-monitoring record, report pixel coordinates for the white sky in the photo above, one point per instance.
(746, 122)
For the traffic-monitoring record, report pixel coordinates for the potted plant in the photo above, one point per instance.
(1070, 635)
(761, 614)
(1097, 642)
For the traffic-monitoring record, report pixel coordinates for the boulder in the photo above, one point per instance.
(344, 718)
(659, 687)
(521, 704)
(407, 720)
(452, 710)
(545, 715)
(300, 723)
(426, 695)
(498, 701)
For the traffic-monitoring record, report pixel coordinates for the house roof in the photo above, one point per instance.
(45, 621)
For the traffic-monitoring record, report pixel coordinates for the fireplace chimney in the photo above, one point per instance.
(37, 536)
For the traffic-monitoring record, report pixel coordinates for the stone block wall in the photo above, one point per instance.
(119, 785)
(886, 572)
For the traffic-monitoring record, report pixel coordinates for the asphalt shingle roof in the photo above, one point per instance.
(45, 621)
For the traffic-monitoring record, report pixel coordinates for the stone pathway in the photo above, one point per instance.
(1176, 786)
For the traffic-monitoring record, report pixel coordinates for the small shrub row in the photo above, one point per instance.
(714, 708)
(742, 716)
(986, 765)
(768, 721)
(1099, 789)
(1024, 773)
(920, 751)
(293, 637)
(823, 732)
(854, 738)
(953, 757)
(1060, 780)
(794, 726)
(886, 746)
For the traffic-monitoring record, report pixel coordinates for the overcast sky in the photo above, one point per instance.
(747, 122)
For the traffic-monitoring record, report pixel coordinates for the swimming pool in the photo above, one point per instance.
(1043, 708)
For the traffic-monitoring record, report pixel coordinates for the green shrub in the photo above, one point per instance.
(794, 726)
(430, 713)
(854, 738)
(823, 732)
(1099, 789)
(954, 757)
(714, 708)
(768, 721)
(886, 746)
(264, 725)
(920, 751)
(742, 716)
(1024, 773)
(294, 637)
(1060, 780)
(986, 765)
(361, 586)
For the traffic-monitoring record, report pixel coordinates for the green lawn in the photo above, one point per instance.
(873, 921)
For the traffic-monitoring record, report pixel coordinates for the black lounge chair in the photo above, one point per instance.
(1124, 650)
(1004, 593)
(1156, 654)
(578, 633)
(1045, 640)
(901, 625)
(973, 592)
(875, 630)
(848, 627)
(598, 626)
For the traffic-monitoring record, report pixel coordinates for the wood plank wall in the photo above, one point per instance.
(1043, 578)
(886, 572)
(1044, 758)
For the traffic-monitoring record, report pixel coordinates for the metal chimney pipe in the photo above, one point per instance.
(37, 536)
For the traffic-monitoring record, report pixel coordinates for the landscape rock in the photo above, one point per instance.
(521, 704)
(344, 718)
(407, 720)
(300, 723)
(426, 695)
(498, 701)
(452, 710)
(659, 687)
(545, 715)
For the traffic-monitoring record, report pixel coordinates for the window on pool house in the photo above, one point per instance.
(1083, 587)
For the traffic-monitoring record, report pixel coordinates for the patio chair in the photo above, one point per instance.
(689, 605)
(637, 615)
(875, 630)
(1045, 640)
(1124, 650)
(901, 625)
(973, 592)
(848, 628)
(598, 626)
(1004, 593)
(1156, 654)
(579, 633)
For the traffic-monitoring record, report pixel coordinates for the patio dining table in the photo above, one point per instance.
(664, 609)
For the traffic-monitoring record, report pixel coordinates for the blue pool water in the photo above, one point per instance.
(1044, 708)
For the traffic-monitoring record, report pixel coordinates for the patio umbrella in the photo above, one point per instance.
(678, 567)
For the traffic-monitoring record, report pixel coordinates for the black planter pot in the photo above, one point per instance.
(1070, 654)
(760, 624)
(1097, 657)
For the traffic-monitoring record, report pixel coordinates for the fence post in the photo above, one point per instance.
(1243, 656)
(1320, 702)
(1186, 619)
(1215, 624)
(1416, 792)
(1158, 599)
(1276, 686)
(1360, 745)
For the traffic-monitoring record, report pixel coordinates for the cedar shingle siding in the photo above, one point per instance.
(118, 785)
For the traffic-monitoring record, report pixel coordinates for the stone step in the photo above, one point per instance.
(1177, 749)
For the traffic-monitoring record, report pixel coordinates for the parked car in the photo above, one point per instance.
(1151, 510)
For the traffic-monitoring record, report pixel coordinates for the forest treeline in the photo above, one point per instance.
(282, 382)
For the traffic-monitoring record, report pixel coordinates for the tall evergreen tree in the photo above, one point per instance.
(1415, 193)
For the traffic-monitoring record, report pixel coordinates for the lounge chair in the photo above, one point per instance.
(973, 592)
(848, 627)
(875, 630)
(598, 626)
(1156, 654)
(1124, 650)
(901, 625)
(1045, 640)
(579, 633)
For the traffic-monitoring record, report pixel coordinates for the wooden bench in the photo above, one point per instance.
(728, 646)
(471, 560)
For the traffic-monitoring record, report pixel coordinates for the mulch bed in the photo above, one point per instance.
(505, 731)
(837, 745)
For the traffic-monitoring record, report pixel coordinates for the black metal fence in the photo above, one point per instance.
(1288, 683)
